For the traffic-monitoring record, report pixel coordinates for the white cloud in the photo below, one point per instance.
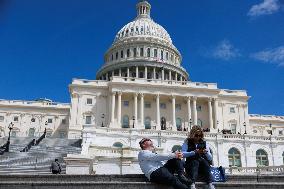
(273, 56)
(225, 51)
(265, 8)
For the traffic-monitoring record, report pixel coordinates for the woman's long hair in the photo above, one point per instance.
(196, 129)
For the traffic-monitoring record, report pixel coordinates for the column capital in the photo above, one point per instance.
(173, 96)
(157, 95)
(194, 98)
(141, 95)
(209, 99)
(119, 93)
(135, 94)
(113, 93)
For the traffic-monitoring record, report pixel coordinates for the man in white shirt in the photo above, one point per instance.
(161, 168)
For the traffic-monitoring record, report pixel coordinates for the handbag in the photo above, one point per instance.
(218, 174)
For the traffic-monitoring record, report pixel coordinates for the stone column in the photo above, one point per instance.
(135, 109)
(119, 72)
(176, 76)
(137, 72)
(188, 111)
(174, 113)
(145, 74)
(170, 75)
(107, 77)
(142, 109)
(128, 74)
(154, 73)
(215, 106)
(210, 118)
(163, 74)
(158, 124)
(112, 107)
(119, 109)
(194, 99)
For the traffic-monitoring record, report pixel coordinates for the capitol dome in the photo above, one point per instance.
(143, 49)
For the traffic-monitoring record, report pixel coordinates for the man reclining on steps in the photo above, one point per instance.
(161, 168)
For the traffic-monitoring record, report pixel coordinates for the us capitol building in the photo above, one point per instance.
(143, 91)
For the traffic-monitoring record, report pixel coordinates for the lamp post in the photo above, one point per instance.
(245, 125)
(217, 122)
(190, 122)
(10, 127)
(103, 116)
(133, 118)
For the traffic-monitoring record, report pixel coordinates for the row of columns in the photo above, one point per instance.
(175, 76)
(191, 110)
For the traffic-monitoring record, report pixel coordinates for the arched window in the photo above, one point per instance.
(261, 158)
(155, 53)
(162, 55)
(141, 52)
(176, 148)
(234, 156)
(134, 52)
(31, 132)
(199, 122)
(128, 53)
(179, 124)
(121, 54)
(118, 145)
(148, 52)
(147, 123)
(125, 121)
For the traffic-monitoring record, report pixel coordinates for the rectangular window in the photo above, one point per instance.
(167, 56)
(1, 118)
(121, 54)
(116, 55)
(126, 103)
(49, 120)
(128, 53)
(163, 106)
(232, 110)
(64, 121)
(88, 120)
(234, 128)
(16, 118)
(89, 101)
(147, 104)
(178, 107)
(198, 108)
(162, 55)
(280, 132)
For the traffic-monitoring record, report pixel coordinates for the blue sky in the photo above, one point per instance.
(237, 44)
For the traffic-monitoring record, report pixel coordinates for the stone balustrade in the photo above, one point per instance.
(183, 134)
(255, 170)
(34, 103)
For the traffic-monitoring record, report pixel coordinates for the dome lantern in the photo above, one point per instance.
(143, 9)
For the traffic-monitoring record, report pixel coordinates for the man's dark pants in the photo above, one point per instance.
(165, 175)
(198, 168)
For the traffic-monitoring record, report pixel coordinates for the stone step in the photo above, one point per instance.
(127, 185)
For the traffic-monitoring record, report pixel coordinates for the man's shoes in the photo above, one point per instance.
(192, 186)
(209, 186)
(184, 180)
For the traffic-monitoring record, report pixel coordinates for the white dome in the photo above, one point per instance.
(143, 27)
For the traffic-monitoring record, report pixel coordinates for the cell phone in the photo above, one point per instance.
(201, 146)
